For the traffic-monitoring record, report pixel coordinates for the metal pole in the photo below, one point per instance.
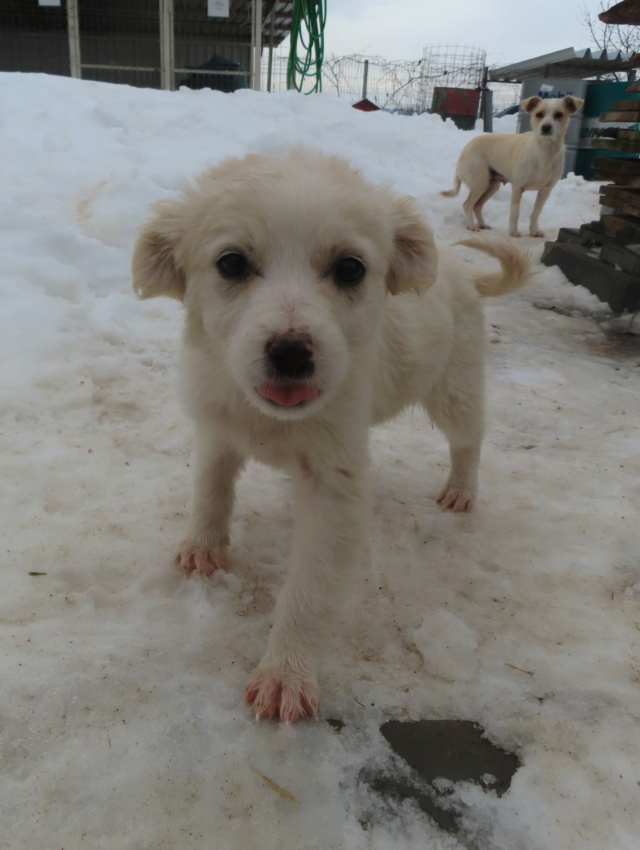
(487, 96)
(167, 58)
(486, 103)
(73, 27)
(271, 33)
(256, 46)
(365, 78)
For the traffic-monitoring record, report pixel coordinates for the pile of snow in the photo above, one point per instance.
(122, 720)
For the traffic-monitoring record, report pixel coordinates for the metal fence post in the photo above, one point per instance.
(486, 103)
(271, 33)
(167, 58)
(256, 44)
(365, 78)
(73, 27)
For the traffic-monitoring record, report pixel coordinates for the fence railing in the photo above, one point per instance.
(397, 86)
(146, 44)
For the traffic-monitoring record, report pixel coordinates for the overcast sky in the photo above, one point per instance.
(509, 30)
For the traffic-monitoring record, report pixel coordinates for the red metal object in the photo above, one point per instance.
(452, 102)
(365, 105)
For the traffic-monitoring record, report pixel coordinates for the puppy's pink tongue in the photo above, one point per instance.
(288, 395)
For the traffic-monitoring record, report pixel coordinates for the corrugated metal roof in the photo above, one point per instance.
(579, 64)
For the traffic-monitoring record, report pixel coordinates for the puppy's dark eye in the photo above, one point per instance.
(348, 272)
(539, 114)
(233, 266)
(558, 116)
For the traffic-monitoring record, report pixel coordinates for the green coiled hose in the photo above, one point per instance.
(307, 45)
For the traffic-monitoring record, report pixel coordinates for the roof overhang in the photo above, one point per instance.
(577, 64)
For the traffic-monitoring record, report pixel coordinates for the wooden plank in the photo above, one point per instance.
(619, 289)
(634, 86)
(626, 210)
(629, 135)
(630, 117)
(620, 180)
(626, 257)
(625, 12)
(622, 227)
(617, 169)
(591, 236)
(570, 234)
(617, 164)
(625, 193)
(621, 198)
(607, 132)
(615, 145)
(624, 105)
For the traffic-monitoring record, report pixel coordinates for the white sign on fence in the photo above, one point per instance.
(218, 8)
(49, 2)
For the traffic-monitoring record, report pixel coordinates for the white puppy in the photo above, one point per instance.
(314, 309)
(533, 160)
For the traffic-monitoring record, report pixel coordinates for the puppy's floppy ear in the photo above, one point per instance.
(530, 103)
(572, 104)
(155, 268)
(414, 262)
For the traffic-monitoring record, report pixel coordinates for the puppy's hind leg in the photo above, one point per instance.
(456, 407)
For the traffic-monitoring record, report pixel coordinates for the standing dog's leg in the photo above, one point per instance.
(216, 469)
(476, 193)
(493, 187)
(328, 532)
(541, 199)
(514, 210)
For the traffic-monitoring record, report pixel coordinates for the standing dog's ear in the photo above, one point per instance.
(155, 268)
(414, 263)
(573, 104)
(530, 103)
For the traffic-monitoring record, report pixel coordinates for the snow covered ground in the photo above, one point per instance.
(122, 724)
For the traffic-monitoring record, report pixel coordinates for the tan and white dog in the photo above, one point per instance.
(533, 160)
(315, 308)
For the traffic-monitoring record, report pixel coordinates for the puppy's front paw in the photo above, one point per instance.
(538, 233)
(191, 558)
(515, 233)
(456, 499)
(283, 694)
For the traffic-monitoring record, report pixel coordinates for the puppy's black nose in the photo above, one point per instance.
(291, 356)
(546, 129)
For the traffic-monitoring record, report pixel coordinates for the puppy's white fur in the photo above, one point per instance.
(533, 160)
(408, 333)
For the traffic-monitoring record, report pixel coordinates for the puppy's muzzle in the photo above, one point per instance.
(546, 130)
(290, 356)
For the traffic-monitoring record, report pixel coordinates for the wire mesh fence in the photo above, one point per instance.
(405, 87)
(119, 42)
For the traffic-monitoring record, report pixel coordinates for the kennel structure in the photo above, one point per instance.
(582, 73)
(149, 43)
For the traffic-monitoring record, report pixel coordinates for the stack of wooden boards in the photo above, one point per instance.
(604, 255)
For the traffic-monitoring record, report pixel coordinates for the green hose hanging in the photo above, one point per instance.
(307, 45)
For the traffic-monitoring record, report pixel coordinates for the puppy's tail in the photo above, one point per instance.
(451, 193)
(516, 265)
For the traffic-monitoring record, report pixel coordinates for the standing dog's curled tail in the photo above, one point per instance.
(515, 265)
(451, 193)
